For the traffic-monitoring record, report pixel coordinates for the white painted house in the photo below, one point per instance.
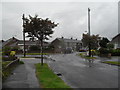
(116, 41)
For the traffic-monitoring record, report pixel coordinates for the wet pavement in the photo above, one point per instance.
(77, 72)
(24, 75)
(31, 55)
(112, 58)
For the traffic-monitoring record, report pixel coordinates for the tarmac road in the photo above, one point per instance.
(77, 73)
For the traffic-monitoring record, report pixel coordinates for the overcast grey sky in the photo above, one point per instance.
(71, 16)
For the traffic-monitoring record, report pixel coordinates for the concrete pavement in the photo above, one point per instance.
(77, 73)
(23, 76)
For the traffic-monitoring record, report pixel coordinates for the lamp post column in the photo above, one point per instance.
(24, 52)
(89, 31)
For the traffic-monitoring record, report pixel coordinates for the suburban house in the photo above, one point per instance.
(61, 44)
(14, 42)
(116, 41)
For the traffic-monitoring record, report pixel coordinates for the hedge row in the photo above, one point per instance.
(114, 52)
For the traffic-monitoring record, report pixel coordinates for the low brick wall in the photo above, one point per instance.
(11, 64)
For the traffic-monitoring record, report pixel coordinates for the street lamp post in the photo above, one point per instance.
(89, 31)
(24, 36)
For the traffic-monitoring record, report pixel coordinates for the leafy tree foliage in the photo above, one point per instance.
(103, 42)
(38, 28)
(34, 48)
(93, 40)
(110, 46)
(6, 50)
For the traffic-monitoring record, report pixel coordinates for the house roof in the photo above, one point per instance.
(116, 39)
(9, 41)
(27, 42)
(116, 36)
(13, 42)
(69, 40)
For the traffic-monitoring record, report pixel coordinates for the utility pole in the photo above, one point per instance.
(24, 36)
(89, 32)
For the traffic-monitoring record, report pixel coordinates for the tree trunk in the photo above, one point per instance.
(24, 52)
(89, 49)
(42, 52)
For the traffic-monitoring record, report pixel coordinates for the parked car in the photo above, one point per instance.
(82, 50)
(68, 50)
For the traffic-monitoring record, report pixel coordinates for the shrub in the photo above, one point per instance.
(115, 52)
(103, 51)
(8, 58)
(110, 46)
(34, 48)
(6, 51)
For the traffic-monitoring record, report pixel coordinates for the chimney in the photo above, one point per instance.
(71, 38)
(13, 37)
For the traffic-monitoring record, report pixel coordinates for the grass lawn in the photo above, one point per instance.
(48, 79)
(86, 57)
(36, 54)
(112, 62)
(5, 63)
(35, 57)
(27, 57)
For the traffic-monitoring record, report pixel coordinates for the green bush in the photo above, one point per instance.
(110, 46)
(8, 58)
(6, 51)
(115, 52)
(34, 48)
(103, 51)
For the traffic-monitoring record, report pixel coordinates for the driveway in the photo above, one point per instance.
(24, 75)
(77, 73)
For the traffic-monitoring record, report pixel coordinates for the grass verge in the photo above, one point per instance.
(112, 62)
(27, 57)
(34, 57)
(47, 78)
(5, 63)
(36, 54)
(84, 56)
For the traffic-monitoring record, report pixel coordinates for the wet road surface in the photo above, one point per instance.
(77, 73)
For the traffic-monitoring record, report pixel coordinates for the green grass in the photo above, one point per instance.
(81, 54)
(47, 78)
(86, 57)
(36, 53)
(5, 63)
(34, 57)
(21, 62)
(112, 62)
(27, 57)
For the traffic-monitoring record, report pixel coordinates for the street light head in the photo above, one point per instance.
(89, 9)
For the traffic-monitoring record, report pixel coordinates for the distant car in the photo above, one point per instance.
(82, 50)
(68, 50)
